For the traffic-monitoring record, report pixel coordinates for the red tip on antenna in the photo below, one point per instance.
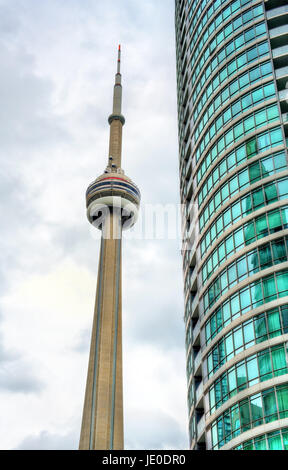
(119, 49)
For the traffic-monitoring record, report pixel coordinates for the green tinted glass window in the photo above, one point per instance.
(248, 332)
(260, 329)
(260, 118)
(261, 226)
(263, 142)
(258, 199)
(279, 252)
(254, 172)
(270, 193)
(274, 325)
(269, 289)
(274, 220)
(279, 360)
(282, 284)
(265, 256)
(248, 37)
(243, 179)
(232, 274)
(272, 113)
(236, 108)
(267, 166)
(280, 161)
(283, 189)
(258, 95)
(229, 244)
(260, 444)
(276, 136)
(270, 405)
(239, 238)
(241, 268)
(274, 441)
(256, 410)
(249, 122)
(221, 251)
(245, 415)
(284, 316)
(249, 231)
(265, 366)
(251, 148)
(245, 300)
(225, 192)
(252, 371)
(238, 339)
(253, 261)
(236, 211)
(285, 440)
(235, 420)
(241, 152)
(282, 398)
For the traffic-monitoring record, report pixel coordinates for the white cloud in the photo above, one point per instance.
(48, 441)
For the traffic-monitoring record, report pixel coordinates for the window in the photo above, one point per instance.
(269, 289)
(265, 366)
(245, 300)
(282, 284)
(251, 148)
(274, 325)
(282, 398)
(270, 407)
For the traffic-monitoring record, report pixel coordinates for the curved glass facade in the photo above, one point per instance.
(277, 440)
(263, 365)
(232, 69)
(257, 228)
(265, 407)
(258, 328)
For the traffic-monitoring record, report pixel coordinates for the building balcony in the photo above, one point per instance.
(194, 307)
(196, 332)
(279, 36)
(279, 31)
(280, 56)
(281, 73)
(187, 150)
(201, 428)
(197, 363)
(193, 280)
(283, 95)
(187, 130)
(276, 13)
(190, 189)
(199, 393)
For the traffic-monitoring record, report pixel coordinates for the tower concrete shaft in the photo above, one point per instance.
(112, 205)
(115, 144)
(102, 424)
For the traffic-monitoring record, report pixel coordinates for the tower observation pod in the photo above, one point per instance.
(112, 202)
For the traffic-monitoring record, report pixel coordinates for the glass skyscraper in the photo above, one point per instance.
(232, 78)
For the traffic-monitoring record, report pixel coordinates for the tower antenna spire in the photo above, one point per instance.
(116, 119)
(119, 59)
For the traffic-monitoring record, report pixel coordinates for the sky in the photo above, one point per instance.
(57, 67)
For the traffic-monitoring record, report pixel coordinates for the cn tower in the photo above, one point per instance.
(112, 202)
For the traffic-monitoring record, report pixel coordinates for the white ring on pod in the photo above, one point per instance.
(114, 201)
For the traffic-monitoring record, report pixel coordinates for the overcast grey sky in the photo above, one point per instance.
(57, 67)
